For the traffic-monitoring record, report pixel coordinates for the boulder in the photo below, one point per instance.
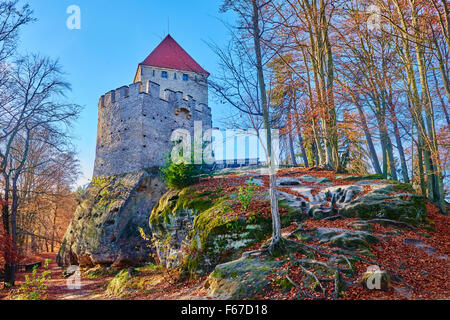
(341, 238)
(241, 279)
(380, 203)
(198, 230)
(194, 230)
(357, 240)
(386, 200)
(288, 181)
(105, 227)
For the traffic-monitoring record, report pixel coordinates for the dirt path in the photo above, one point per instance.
(62, 288)
(59, 287)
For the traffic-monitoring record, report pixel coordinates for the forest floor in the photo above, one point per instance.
(59, 287)
(420, 271)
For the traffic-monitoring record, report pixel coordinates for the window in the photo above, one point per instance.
(185, 77)
(164, 74)
(175, 76)
(153, 73)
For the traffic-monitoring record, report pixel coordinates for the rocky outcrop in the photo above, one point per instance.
(243, 278)
(386, 200)
(197, 230)
(105, 227)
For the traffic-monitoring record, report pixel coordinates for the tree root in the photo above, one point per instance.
(303, 293)
(311, 274)
(392, 222)
(339, 284)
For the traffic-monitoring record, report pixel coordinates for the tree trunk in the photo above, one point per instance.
(291, 140)
(423, 187)
(300, 138)
(368, 135)
(8, 251)
(277, 243)
(399, 143)
(320, 152)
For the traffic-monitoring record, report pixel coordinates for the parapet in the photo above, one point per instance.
(177, 99)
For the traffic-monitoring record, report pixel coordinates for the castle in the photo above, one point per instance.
(135, 122)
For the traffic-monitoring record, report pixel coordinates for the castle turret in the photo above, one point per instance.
(135, 122)
(173, 68)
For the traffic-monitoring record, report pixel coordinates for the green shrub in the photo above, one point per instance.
(34, 288)
(179, 174)
(245, 195)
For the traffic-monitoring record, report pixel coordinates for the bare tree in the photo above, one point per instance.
(37, 86)
(251, 26)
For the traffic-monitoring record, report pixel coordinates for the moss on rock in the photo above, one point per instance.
(406, 207)
(242, 278)
(105, 227)
(197, 230)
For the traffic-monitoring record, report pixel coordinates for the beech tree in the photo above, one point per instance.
(364, 85)
(252, 25)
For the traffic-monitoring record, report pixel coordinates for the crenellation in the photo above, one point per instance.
(109, 98)
(169, 95)
(200, 107)
(191, 102)
(179, 97)
(101, 102)
(121, 93)
(135, 89)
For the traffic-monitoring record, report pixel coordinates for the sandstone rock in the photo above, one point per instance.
(353, 240)
(310, 178)
(386, 200)
(248, 277)
(105, 227)
(196, 230)
(242, 278)
(322, 180)
(342, 238)
(359, 178)
(288, 181)
(406, 207)
(196, 233)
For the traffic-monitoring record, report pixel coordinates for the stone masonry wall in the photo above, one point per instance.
(196, 85)
(135, 124)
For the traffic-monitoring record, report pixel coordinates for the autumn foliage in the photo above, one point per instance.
(7, 251)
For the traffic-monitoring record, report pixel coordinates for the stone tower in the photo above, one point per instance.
(135, 122)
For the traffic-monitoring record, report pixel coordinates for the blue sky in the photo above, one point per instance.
(114, 37)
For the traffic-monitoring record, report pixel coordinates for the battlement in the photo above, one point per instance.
(132, 91)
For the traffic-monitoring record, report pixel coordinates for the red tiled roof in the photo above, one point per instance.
(169, 54)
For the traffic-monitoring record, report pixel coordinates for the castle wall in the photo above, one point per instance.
(136, 123)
